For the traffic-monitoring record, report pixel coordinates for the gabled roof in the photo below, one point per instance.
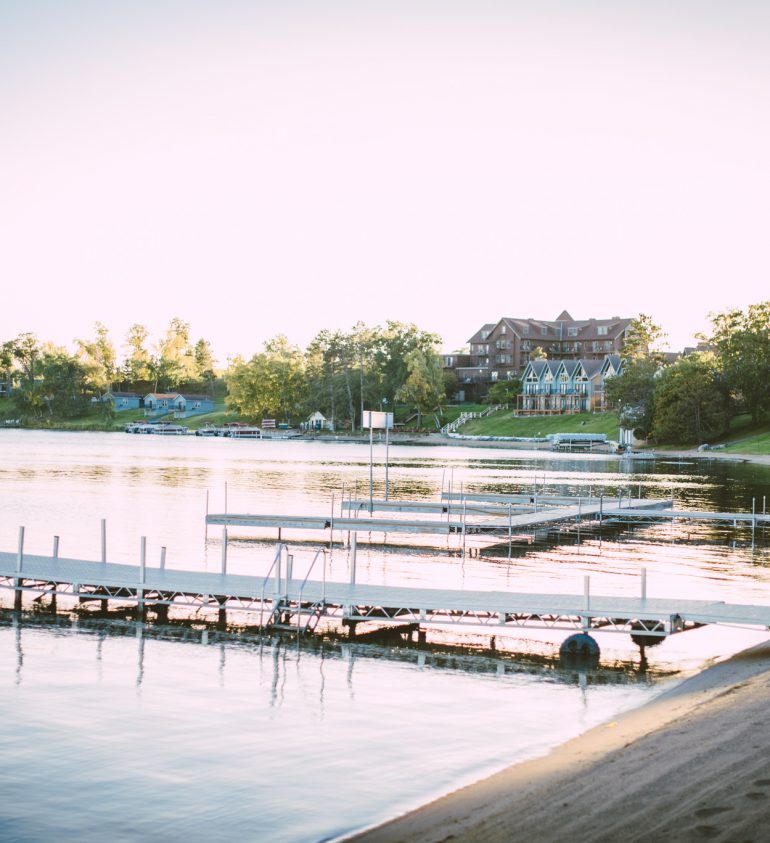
(477, 337)
(156, 395)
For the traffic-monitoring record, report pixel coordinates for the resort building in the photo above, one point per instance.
(502, 350)
(549, 387)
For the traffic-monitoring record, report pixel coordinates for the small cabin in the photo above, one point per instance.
(122, 400)
(317, 422)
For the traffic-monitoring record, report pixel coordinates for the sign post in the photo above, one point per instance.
(382, 421)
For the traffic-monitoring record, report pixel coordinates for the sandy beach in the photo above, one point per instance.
(691, 765)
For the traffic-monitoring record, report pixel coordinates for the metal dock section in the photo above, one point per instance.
(281, 600)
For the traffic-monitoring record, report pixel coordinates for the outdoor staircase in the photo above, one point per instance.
(464, 417)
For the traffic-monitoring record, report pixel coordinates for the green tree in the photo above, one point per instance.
(642, 339)
(98, 359)
(741, 342)
(423, 388)
(58, 390)
(272, 383)
(392, 346)
(632, 394)
(204, 365)
(689, 406)
(26, 353)
(175, 362)
(136, 367)
(504, 392)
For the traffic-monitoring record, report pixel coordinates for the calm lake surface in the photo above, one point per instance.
(119, 729)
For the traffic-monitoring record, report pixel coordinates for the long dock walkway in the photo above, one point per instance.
(461, 519)
(282, 600)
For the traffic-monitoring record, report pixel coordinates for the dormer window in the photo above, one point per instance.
(572, 332)
(601, 330)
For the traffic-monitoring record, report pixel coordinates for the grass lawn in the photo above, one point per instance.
(747, 438)
(504, 423)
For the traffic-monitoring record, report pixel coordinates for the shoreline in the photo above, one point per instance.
(689, 765)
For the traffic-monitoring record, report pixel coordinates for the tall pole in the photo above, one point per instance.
(371, 461)
(387, 444)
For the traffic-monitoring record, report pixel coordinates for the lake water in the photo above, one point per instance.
(175, 732)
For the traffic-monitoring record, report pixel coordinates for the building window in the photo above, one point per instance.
(493, 376)
(503, 329)
(602, 330)
(544, 331)
(484, 334)
(525, 330)
(572, 332)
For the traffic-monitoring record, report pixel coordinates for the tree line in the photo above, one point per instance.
(693, 399)
(340, 373)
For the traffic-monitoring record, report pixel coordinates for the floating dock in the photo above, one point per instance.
(279, 600)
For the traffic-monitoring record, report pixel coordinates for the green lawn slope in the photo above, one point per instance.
(504, 423)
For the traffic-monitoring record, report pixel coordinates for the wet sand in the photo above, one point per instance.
(691, 765)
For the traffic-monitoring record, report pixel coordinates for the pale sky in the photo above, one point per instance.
(258, 168)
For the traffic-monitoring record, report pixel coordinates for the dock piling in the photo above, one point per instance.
(644, 583)
(353, 548)
(19, 565)
(20, 551)
(104, 539)
(163, 559)
(55, 553)
(224, 550)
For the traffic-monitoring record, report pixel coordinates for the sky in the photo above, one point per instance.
(261, 168)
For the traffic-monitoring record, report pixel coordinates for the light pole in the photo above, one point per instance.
(383, 405)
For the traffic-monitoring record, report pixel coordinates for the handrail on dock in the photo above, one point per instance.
(320, 551)
(278, 552)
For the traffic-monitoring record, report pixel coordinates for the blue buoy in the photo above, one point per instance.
(579, 648)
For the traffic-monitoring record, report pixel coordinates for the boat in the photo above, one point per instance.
(241, 430)
(167, 429)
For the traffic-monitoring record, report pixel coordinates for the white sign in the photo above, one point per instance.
(378, 421)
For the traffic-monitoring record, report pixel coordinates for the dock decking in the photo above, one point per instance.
(281, 600)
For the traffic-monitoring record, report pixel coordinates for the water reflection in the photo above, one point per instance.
(480, 655)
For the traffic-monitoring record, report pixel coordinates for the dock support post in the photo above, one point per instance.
(163, 559)
(104, 539)
(371, 459)
(142, 566)
(464, 514)
(55, 554)
(644, 583)
(19, 566)
(587, 590)
(223, 568)
(331, 527)
(510, 531)
(206, 519)
(353, 548)
(387, 445)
